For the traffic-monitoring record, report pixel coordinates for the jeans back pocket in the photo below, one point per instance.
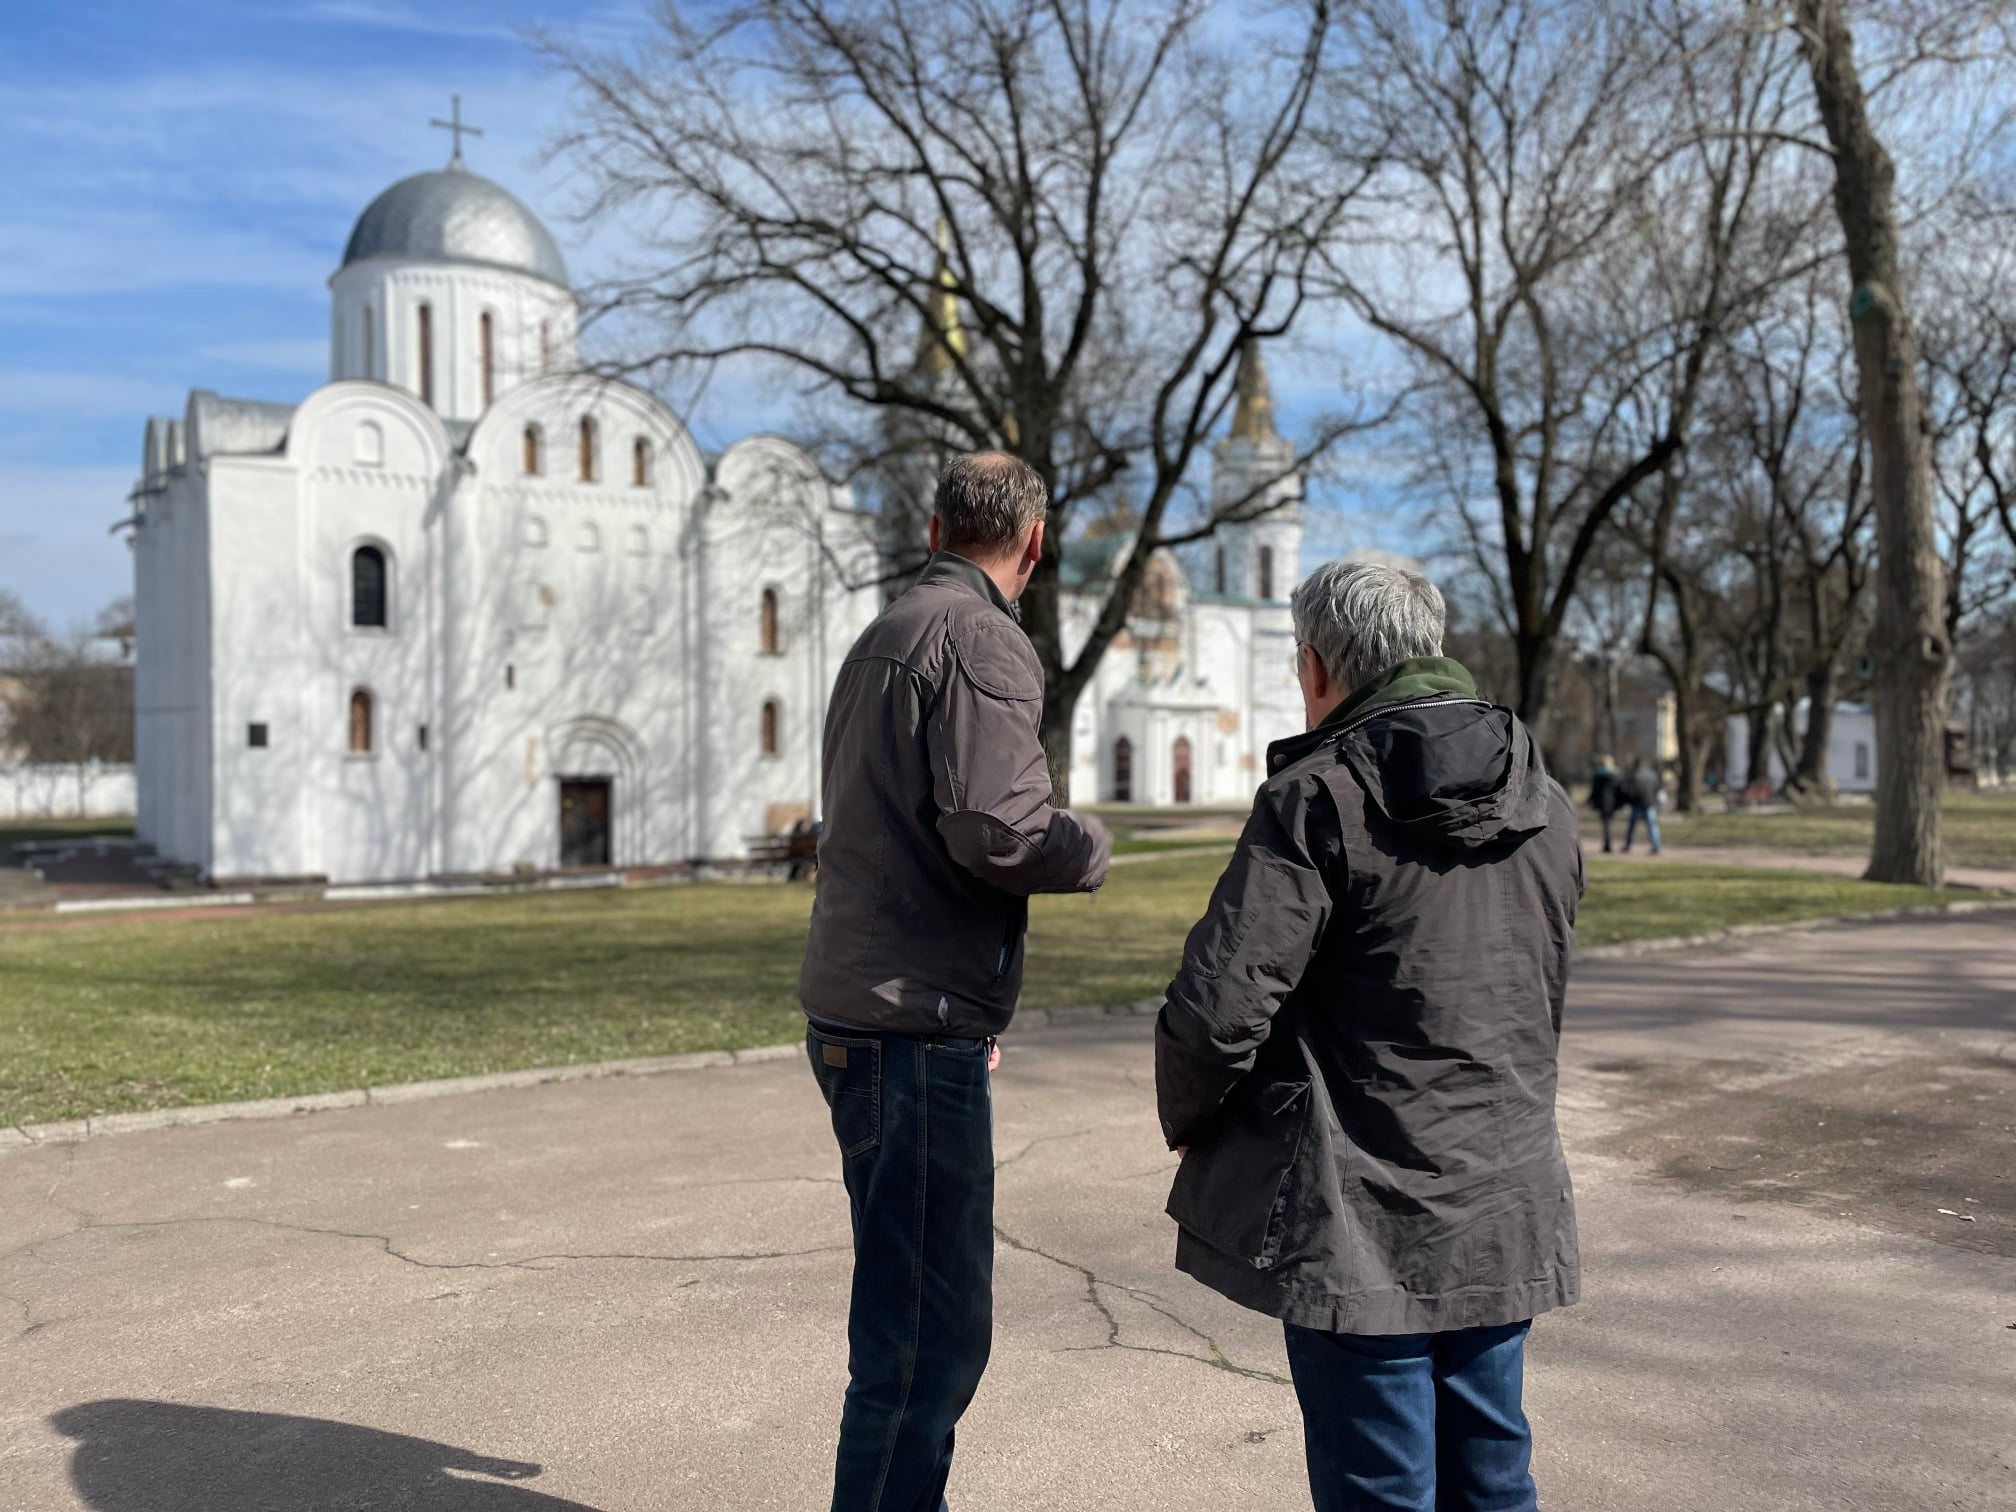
(849, 1070)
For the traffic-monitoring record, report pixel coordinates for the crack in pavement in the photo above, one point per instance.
(1043, 1139)
(542, 1262)
(1215, 1360)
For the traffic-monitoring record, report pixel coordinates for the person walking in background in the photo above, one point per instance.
(1603, 794)
(1641, 791)
(939, 826)
(1357, 1059)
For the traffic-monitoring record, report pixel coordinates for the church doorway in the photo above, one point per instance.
(585, 808)
(1180, 765)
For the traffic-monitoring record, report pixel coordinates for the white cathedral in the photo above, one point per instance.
(467, 611)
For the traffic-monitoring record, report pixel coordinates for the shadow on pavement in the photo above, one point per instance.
(135, 1456)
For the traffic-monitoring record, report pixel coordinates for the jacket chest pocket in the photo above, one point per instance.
(849, 1071)
(1235, 1187)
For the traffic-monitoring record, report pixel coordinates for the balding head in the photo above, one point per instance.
(987, 501)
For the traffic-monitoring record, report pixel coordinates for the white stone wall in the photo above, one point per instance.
(375, 329)
(63, 790)
(1851, 750)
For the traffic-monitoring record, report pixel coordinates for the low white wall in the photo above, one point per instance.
(53, 790)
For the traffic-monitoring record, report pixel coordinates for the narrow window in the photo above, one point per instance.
(510, 675)
(485, 340)
(545, 349)
(1862, 759)
(588, 448)
(770, 727)
(427, 354)
(640, 463)
(1123, 770)
(360, 722)
(370, 356)
(367, 588)
(772, 642)
(1266, 572)
(534, 461)
(420, 737)
(1179, 766)
(370, 444)
(255, 736)
(1220, 574)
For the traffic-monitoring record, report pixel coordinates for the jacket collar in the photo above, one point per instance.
(1403, 682)
(950, 568)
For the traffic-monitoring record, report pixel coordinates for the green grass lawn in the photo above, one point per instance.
(1979, 830)
(139, 1013)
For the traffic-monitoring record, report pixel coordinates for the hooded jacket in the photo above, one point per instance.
(939, 823)
(1359, 1050)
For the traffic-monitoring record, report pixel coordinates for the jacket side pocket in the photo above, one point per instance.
(1232, 1188)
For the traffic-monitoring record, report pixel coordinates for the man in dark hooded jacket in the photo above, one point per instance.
(1358, 1058)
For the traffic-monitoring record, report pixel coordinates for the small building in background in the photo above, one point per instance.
(1851, 747)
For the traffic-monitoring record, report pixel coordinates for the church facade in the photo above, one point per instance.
(465, 610)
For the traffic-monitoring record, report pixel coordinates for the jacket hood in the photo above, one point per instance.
(1457, 772)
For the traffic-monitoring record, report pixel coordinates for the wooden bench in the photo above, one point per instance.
(798, 851)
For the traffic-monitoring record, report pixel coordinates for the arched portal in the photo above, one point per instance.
(598, 767)
(1123, 770)
(1179, 766)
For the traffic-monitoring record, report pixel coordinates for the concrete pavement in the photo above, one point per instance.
(627, 1295)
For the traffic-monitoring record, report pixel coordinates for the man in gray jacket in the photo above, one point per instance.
(1358, 1058)
(939, 826)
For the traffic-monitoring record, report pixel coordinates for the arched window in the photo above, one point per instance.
(640, 463)
(771, 737)
(360, 722)
(588, 448)
(487, 345)
(368, 588)
(1123, 770)
(370, 444)
(535, 450)
(1179, 766)
(426, 314)
(772, 638)
(370, 340)
(1266, 572)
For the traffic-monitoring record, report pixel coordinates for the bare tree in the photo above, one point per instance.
(1912, 649)
(1123, 192)
(1537, 161)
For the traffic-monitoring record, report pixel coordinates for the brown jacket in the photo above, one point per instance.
(938, 817)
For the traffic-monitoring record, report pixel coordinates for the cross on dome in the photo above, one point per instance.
(456, 127)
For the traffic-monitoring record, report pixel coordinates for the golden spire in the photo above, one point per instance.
(1253, 414)
(946, 339)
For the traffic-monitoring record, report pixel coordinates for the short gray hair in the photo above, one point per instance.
(1362, 617)
(987, 501)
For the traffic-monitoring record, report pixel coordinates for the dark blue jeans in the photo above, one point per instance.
(1649, 817)
(914, 1120)
(1426, 1422)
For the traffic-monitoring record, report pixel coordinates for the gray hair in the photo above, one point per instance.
(987, 501)
(1362, 617)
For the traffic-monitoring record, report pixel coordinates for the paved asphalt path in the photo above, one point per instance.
(627, 1295)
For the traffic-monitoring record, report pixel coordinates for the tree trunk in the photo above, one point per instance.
(1820, 696)
(1757, 766)
(1041, 606)
(1913, 654)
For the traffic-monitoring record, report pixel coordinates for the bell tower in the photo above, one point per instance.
(1254, 480)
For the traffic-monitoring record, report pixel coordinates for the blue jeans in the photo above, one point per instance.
(1651, 818)
(914, 1120)
(1426, 1422)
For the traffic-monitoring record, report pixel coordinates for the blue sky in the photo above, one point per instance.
(179, 180)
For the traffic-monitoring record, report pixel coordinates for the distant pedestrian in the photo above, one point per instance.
(1604, 795)
(1641, 791)
(939, 826)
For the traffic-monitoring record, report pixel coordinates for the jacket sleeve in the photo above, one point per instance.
(1261, 930)
(989, 778)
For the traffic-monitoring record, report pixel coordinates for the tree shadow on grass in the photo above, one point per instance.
(137, 1456)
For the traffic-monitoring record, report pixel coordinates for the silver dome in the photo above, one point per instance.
(455, 216)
